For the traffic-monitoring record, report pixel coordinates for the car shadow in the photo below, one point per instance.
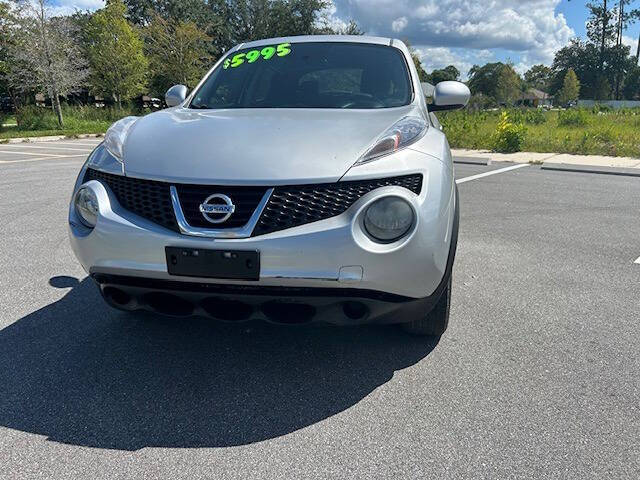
(81, 373)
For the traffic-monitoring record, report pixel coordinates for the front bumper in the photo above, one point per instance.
(281, 305)
(332, 258)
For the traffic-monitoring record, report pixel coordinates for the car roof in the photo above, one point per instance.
(321, 38)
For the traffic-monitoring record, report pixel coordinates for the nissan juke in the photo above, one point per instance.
(303, 179)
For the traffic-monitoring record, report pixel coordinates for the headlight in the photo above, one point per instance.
(388, 219)
(401, 134)
(116, 135)
(86, 204)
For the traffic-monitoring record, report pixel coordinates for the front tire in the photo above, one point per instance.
(435, 322)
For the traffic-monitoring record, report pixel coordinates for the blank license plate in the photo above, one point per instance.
(228, 264)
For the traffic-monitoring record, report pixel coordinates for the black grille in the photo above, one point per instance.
(289, 206)
(246, 200)
(298, 205)
(147, 198)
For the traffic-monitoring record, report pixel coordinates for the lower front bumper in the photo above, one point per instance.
(282, 305)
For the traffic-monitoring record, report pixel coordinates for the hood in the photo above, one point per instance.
(253, 146)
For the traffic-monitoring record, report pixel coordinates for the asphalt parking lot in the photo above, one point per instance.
(538, 375)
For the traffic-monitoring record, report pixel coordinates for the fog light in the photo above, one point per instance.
(388, 219)
(86, 205)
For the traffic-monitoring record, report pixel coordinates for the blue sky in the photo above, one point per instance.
(461, 32)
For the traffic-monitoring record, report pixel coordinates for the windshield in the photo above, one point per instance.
(308, 75)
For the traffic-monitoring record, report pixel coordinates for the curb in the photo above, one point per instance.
(51, 138)
(565, 167)
(470, 160)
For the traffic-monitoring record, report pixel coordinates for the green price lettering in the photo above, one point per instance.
(252, 56)
(284, 50)
(237, 60)
(267, 53)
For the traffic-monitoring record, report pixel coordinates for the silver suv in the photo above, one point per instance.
(302, 180)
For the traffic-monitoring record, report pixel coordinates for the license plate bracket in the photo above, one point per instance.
(207, 263)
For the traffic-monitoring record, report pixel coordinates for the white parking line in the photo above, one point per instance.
(49, 157)
(492, 172)
(68, 143)
(637, 261)
(18, 145)
(15, 152)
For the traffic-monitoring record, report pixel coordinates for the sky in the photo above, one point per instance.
(461, 32)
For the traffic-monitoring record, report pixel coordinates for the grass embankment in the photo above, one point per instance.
(594, 131)
(40, 122)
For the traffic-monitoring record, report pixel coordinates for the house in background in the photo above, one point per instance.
(535, 98)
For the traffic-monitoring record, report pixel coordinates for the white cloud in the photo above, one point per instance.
(69, 7)
(334, 21)
(531, 30)
(399, 24)
(631, 42)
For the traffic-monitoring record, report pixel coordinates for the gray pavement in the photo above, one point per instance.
(537, 377)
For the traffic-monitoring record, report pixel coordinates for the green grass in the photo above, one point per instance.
(9, 119)
(576, 131)
(40, 122)
(594, 131)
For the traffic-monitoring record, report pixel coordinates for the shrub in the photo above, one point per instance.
(573, 118)
(509, 136)
(597, 108)
(480, 101)
(36, 118)
(75, 117)
(536, 117)
(528, 115)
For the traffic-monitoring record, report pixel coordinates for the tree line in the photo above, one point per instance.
(598, 67)
(131, 47)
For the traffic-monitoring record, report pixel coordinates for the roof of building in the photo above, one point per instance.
(535, 94)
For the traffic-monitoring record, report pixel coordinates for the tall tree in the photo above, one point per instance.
(584, 58)
(539, 77)
(44, 54)
(570, 89)
(255, 19)
(632, 84)
(142, 12)
(6, 35)
(625, 17)
(600, 27)
(115, 51)
(484, 79)
(447, 73)
(602, 89)
(508, 88)
(178, 53)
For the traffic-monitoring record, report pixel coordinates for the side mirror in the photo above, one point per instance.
(175, 95)
(450, 96)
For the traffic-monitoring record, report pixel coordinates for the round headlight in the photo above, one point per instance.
(86, 205)
(388, 219)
